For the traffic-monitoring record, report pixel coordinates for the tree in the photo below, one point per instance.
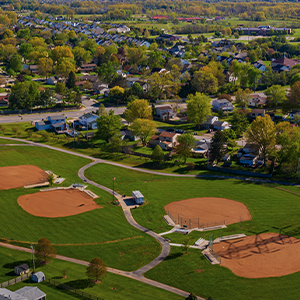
(116, 94)
(239, 123)
(205, 82)
(81, 55)
(262, 133)
(44, 250)
(191, 297)
(51, 179)
(138, 109)
(64, 67)
(217, 148)
(96, 269)
(186, 245)
(242, 97)
(45, 66)
(61, 52)
(60, 88)
(70, 83)
(293, 97)
(143, 129)
(108, 126)
(157, 154)
(16, 63)
(101, 110)
(198, 108)
(115, 143)
(277, 95)
(37, 42)
(186, 143)
(107, 72)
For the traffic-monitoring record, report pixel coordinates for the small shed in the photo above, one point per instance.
(21, 269)
(38, 277)
(138, 197)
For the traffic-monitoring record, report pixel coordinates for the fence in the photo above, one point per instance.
(217, 257)
(211, 224)
(172, 217)
(71, 289)
(15, 280)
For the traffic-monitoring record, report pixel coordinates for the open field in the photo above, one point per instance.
(112, 286)
(90, 231)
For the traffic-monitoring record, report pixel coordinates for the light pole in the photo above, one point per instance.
(114, 188)
(31, 247)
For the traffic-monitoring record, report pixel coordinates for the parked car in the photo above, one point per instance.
(179, 131)
(195, 133)
(170, 129)
(182, 230)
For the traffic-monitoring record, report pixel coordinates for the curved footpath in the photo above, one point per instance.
(144, 170)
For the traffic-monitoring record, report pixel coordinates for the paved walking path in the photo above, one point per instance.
(131, 275)
(148, 171)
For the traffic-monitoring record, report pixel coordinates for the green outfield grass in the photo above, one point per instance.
(112, 286)
(107, 224)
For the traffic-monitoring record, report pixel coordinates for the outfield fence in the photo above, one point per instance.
(15, 280)
(71, 289)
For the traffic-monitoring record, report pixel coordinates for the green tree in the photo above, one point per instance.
(138, 109)
(51, 179)
(45, 66)
(81, 55)
(16, 63)
(108, 126)
(157, 154)
(242, 97)
(116, 94)
(144, 129)
(24, 34)
(191, 297)
(107, 72)
(198, 108)
(277, 95)
(96, 269)
(64, 67)
(60, 52)
(44, 250)
(217, 147)
(115, 143)
(186, 143)
(24, 95)
(262, 133)
(70, 83)
(101, 110)
(60, 88)
(239, 123)
(205, 82)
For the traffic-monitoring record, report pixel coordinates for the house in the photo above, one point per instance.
(219, 18)
(284, 62)
(257, 100)
(223, 104)
(201, 146)
(38, 277)
(249, 159)
(169, 37)
(48, 124)
(3, 100)
(34, 69)
(21, 269)
(221, 125)
(128, 134)
(31, 293)
(165, 112)
(138, 197)
(257, 112)
(87, 67)
(226, 157)
(52, 80)
(211, 120)
(89, 119)
(166, 140)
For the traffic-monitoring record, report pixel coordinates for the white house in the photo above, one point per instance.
(222, 104)
(57, 122)
(138, 197)
(89, 119)
(257, 113)
(221, 125)
(165, 112)
(201, 147)
(211, 120)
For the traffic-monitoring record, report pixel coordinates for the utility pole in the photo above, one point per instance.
(114, 188)
(31, 247)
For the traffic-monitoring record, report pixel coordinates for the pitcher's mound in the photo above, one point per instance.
(18, 176)
(59, 203)
(263, 255)
(209, 210)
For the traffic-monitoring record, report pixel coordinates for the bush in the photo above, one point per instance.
(190, 166)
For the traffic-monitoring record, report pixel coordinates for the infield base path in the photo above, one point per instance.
(59, 203)
(18, 176)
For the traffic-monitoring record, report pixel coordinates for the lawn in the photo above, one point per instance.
(99, 226)
(112, 287)
(271, 209)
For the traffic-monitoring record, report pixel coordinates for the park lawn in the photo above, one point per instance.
(97, 226)
(182, 270)
(266, 204)
(6, 141)
(112, 287)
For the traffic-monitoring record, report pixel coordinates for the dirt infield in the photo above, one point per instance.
(59, 203)
(209, 209)
(18, 176)
(264, 255)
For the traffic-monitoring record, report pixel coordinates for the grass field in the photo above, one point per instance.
(107, 224)
(271, 209)
(112, 287)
